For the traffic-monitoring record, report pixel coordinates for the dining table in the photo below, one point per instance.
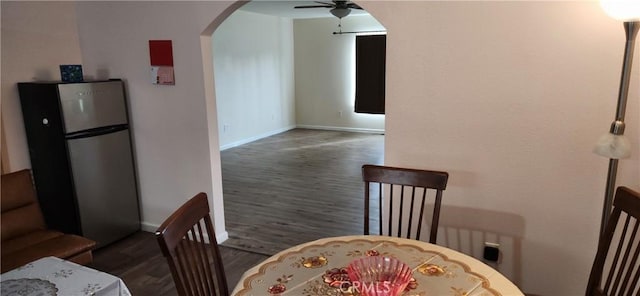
(52, 276)
(320, 268)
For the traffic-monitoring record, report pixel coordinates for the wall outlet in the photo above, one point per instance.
(491, 252)
(340, 113)
(225, 128)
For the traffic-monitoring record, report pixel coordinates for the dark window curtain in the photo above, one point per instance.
(370, 73)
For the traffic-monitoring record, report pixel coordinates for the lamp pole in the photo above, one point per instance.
(617, 127)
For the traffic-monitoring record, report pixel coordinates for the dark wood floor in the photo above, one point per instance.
(295, 187)
(280, 191)
(138, 262)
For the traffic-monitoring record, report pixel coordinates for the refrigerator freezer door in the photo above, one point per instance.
(91, 105)
(105, 186)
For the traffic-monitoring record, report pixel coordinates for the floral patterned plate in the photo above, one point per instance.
(19, 287)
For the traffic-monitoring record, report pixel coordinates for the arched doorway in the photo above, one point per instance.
(343, 111)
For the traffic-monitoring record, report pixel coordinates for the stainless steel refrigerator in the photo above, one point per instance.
(81, 157)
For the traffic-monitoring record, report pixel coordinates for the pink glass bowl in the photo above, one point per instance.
(379, 276)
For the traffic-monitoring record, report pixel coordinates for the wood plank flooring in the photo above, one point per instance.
(137, 260)
(295, 187)
(279, 191)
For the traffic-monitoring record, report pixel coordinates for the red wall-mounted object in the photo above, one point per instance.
(161, 57)
(161, 52)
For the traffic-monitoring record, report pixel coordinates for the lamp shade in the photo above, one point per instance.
(613, 146)
(624, 10)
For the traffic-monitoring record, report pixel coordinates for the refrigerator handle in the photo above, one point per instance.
(96, 131)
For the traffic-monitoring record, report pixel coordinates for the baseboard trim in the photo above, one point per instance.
(315, 127)
(255, 138)
(221, 237)
(343, 129)
(149, 227)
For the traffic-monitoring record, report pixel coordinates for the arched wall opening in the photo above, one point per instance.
(216, 201)
(345, 118)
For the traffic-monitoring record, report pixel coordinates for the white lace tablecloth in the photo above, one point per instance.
(51, 276)
(318, 268)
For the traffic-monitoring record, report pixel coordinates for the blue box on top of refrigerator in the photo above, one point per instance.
(81, 157)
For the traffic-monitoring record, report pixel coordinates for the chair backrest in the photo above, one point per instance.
(412, 187)
(188, 242)
(616, 270)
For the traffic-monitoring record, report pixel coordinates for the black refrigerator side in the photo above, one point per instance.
(49, 157)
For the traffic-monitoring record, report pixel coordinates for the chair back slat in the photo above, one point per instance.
(436, 216)
(626, 284)
(187, 240)
(634, 283)
(390, 209)
(619, 282)
(189, 265)
(616, 269)
(379, 207)
(413, 199)
(207, 273)
(422, 203)
(400, 212)
(196, 253)
(401, 187)
(616, 257)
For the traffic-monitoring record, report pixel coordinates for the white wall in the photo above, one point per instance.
(510, 97)
(253, 64)
(325, 74)
(169, 123)
(37, 37)
(253, 61)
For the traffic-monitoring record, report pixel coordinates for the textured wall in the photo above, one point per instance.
(510, 97)
(253, 63)
(325, 74)
(37, 37)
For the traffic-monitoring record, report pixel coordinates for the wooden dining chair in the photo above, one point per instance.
(409, 189)
(616, 270)
(188, 242)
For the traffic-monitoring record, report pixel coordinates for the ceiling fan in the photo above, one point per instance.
(339, 8)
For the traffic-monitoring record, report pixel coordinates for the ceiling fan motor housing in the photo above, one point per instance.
(340, 12)
(339, 8)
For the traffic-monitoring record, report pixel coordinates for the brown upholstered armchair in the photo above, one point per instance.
(25, 237)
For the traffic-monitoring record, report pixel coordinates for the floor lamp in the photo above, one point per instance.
(614, 145)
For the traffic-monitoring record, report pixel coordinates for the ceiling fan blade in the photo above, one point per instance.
(354, 6)
(325, 3)
(314, 6)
